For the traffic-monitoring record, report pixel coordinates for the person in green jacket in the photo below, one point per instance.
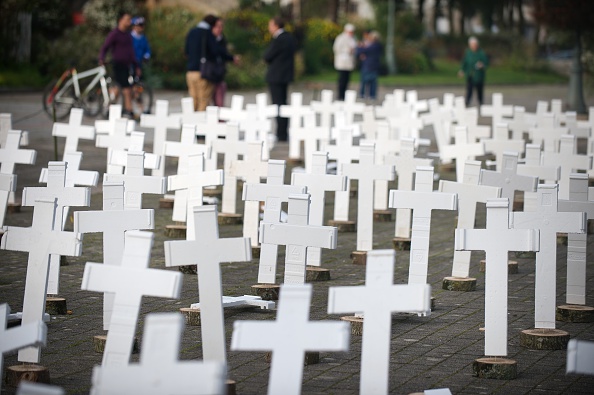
(474, 65)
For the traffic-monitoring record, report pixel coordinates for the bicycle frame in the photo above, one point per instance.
(99, 73)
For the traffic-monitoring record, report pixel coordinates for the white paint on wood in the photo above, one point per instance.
(73, 131)
(160, 122)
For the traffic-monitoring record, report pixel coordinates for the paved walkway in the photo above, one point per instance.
(426, 352)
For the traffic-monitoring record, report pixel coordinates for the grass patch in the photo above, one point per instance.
(446, 74)
(23, 76)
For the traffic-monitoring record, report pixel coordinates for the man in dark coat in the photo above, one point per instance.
(281, 69)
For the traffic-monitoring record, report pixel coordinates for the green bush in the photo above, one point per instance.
(247, 32)
(411, 60)
(102, 14)
(317, 46)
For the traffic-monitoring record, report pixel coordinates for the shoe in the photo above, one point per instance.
(128, 114)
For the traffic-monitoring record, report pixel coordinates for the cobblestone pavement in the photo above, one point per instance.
(426, 352)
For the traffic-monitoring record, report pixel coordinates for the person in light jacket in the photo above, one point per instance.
(344, 57)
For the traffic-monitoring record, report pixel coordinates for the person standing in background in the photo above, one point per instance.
(369, 53)
(224, 56)
(344, 57)
(280, 57)
(142, 49)
(200, 38)
(123, 59)
(473, 67)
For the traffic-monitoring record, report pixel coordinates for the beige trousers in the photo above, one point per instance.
(200, 90)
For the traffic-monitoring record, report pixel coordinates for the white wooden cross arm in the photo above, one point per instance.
(118, 158)
(6, 126)
(461, 150)
(74, 176)
(160, 121)
(245, 300)
(292, 322)
(11, 154)
(496, 110)
(31, 388)
(7, 186)
(580, 357)
(73, 130)
(31, 334)
(159, 372)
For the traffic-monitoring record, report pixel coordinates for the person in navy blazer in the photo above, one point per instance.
(280, 57)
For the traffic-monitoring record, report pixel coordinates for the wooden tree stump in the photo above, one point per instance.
(99, 344)
(432, 303)
(231, 387)
(575, 313)
(343, 226)
(212, 192)
(26, 372)
(401, 243)
(495, 368)
(462, 284)
(55, 306)
(192, 316)
(359, 257)
(356, 324)
(562, 238)
(311, 357)
(188, 269)
(230, 219)
(175, 231)
(315, 273)
(266, 291)
(512, 266)
(12, 208)
(166, 203)
(544, 339)
(382, 215)
(256, 252)
(447, 167)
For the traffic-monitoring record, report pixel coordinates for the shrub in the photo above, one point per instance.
(317, 46)
(411, 60)
(102, 14)
(247, 32)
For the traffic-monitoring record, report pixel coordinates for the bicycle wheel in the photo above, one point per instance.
(58, 101)
(93, 102)
(113, 90)
(142, 99)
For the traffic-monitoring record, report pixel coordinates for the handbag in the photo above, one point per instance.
(211, 70)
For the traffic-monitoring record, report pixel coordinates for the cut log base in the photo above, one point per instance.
(295, 162)
(175, 231)
(12, 208)
(447, 167)
(100, 340)
(343, 226)
(432, 303)
(356, 324)
(230, 219)
(544, 339)
(315, 273)
(401, 243)
(462, 284)
(525, 254)
(231, 387)
(266, 291)
(562, 238)
(495, 368)
(26, 372)
(256, 252)
(512, 267)
(192, 316)
(214, 192)
(359, 257)
(188, 269)
(56, 306)
(382, 215)
(166, 203)
(575, 313)
(311, 358)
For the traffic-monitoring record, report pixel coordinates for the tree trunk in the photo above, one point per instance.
(436, 14)
(421, 11)
(462, 22)
(451, 15)
(510, 14)
(576, 93)
(333, 10)
(521, 22)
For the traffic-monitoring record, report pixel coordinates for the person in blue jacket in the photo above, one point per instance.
(142, 49)
(369, 53)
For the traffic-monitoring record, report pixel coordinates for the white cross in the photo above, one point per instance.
(118, 139)
(32, 334)
(378, 299)
(519, 124)
(251, 169)
(160, 121)
(325, 108)
(6, 126)
(405, 124)
(569, 161)
(470, 121)
(135, 182)
(188, 115)
(211, 129)
(470, 192)
(496, 240)
(366, 172)
(295, 112)
(257, 128)
(459, 109)
(406, 165)
(235, 113)
(11, 155)
(533, 166)
(65, 196)
(587, 124)
(422, 201)
(118, 158)
(129, 282)
(350, 107)
(289, 337)
(439, 118)
(370, 122)
(192, 182)
(265, 110)
(159, 371)
(578, 129)
(343, 151)
(462, 150)
(312, 136)
(548, 220)
(208, 252)
(547, 132)
(231, 147)
(501, 143)
(577, 245)
(508, 178)
(557, 109)
(392, 104)
(7, 186)
(417, 106)
(496, 110)
(297, 235)
(580, 357)
(73, 130)
(318, 182)
(113, 221)
(273, 194)
(41, 240)
(108, 126)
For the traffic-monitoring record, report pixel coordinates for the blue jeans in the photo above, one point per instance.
(368, 78)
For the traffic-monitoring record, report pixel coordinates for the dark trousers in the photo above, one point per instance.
(470, 86)
(279, 96)
(343, 82)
